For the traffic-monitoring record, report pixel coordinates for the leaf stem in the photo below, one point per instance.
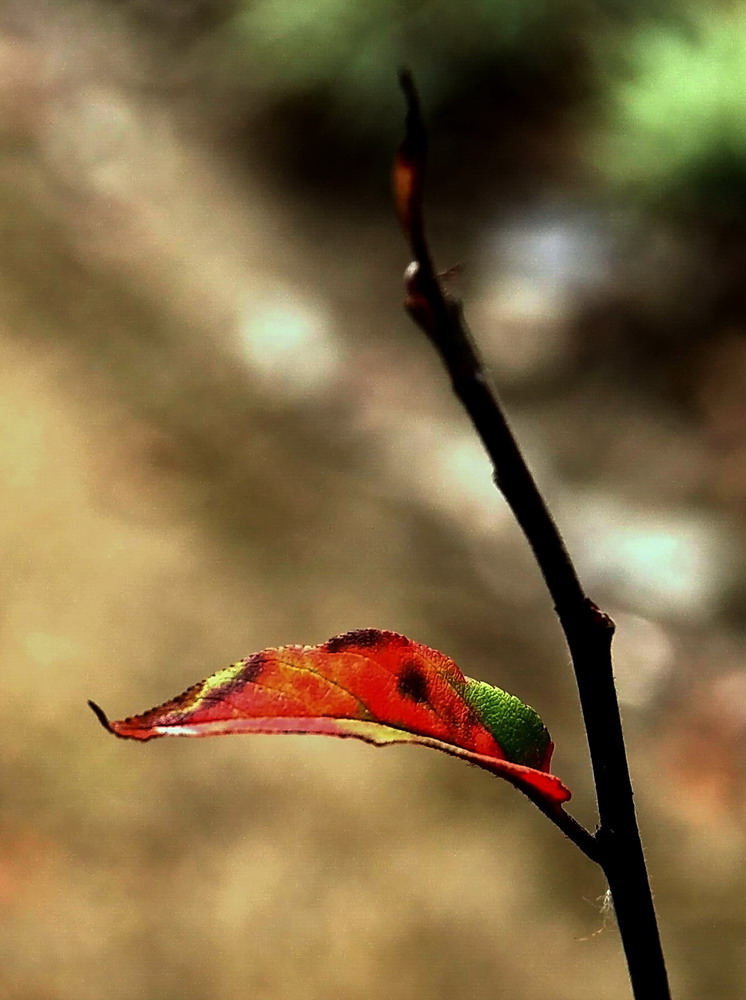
(616, 846)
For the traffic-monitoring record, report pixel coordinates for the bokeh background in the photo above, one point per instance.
(219, 432)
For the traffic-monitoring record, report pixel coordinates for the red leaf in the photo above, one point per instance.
(375, 686)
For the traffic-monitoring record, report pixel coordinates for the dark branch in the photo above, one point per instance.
(616, 847)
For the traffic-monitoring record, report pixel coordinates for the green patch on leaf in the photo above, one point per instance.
(516, 726)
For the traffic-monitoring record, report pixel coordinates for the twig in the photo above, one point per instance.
(573, 830)
(616, 845)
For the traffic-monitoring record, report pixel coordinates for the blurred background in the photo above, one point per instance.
(219, 432)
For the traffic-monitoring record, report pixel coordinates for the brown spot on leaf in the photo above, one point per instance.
(252, 668)
(412, 684)
(365, 638)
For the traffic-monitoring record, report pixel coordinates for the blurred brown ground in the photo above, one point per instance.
(218, 433)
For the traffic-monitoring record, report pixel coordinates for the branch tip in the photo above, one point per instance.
(409, 173)
(407, 84)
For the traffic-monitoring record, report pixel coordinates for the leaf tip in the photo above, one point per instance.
(100, 715)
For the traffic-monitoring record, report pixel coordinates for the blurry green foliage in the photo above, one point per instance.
(678, 118)
(351, 51)
(357, 46)
(661, 82)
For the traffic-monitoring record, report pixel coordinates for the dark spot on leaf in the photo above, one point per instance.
(412, 684)
(206, 693)
(364, 638)
(252, 668)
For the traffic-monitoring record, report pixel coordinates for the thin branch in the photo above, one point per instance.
(616, 846)
(574, 831)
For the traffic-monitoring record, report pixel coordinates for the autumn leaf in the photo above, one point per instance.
(380, 687)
